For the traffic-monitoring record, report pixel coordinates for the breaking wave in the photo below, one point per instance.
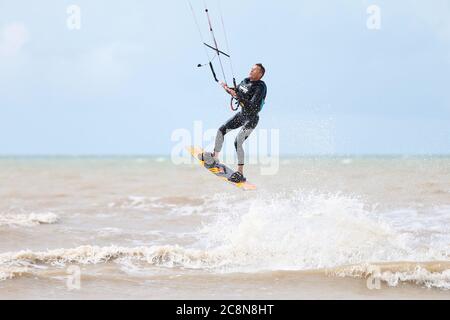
(27, 220)
(428, 274)
(295, 231)
(27, 261)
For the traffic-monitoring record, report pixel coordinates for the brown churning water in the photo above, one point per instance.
(144, 228)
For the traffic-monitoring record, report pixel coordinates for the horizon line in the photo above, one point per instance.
(154, 155)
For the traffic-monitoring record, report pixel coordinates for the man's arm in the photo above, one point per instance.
(228, 89)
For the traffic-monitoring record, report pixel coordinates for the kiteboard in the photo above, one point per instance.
(220, 170)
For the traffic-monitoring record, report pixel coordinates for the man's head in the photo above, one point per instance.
(257, 72)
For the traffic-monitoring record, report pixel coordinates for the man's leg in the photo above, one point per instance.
(243, 134)
(233, 123)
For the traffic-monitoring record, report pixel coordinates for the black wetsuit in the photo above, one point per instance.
(251, 95)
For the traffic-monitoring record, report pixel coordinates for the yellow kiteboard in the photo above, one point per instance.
(220, 171)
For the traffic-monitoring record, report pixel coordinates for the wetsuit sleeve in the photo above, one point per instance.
(255, 101)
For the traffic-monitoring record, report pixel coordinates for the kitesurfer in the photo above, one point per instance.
(250, 93)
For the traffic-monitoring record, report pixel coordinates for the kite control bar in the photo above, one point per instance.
(234, 104)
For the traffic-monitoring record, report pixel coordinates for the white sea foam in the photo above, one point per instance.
(428, 274)
(298, 231)
(288, 231)
(137, 202)
(108, 232)
(347, 161)
(310, 230)
(183, 206)
(27, 261)
(12, 272)
(420, 276)
(27, 220)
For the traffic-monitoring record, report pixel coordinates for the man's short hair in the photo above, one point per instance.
(263, 70)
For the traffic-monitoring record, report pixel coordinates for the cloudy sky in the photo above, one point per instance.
(125, 81)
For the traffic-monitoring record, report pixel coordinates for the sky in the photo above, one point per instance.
(127, 80)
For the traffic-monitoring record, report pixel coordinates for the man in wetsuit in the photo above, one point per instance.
(251, 93)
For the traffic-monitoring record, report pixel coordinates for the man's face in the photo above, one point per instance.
(255, 73)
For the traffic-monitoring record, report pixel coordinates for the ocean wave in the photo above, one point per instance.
(108, 232)
(313, 230)
(147, 203)
(27, 220)
(162, 256)
(289, 231)
(433, 274)
(12, 272)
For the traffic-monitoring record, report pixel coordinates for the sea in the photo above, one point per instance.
(144, 227)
